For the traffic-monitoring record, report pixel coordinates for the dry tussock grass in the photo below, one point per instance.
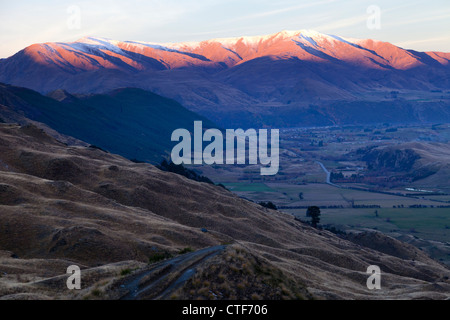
(64, 205)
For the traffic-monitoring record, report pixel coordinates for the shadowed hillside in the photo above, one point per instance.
(413, 163)
(131, 122)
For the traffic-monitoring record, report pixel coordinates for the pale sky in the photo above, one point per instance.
(415, 24)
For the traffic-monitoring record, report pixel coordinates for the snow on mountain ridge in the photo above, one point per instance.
(309, 35)
(93, 53)
(101, 43)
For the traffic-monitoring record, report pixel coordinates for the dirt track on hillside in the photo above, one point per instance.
(162, 279)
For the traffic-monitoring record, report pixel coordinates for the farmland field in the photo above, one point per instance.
(391, 200)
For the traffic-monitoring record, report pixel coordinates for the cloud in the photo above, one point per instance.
(280, 11)
(436, 40)
(416, 20)
(342, 23)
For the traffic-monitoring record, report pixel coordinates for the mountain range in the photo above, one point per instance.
(69, 195)
(285, 79)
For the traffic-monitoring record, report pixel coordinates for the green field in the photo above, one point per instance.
(445, 198)
(430, 223)
(248, 187)
(320, 194)
(425, 223)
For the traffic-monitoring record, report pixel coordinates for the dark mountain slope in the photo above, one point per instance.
(132, 122)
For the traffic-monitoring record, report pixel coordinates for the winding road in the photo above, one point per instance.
(328, 175)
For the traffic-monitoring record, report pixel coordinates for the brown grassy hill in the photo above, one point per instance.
(421, 164)
(435, 160)
(62, 205)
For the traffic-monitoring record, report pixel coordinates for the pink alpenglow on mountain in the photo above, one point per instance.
(248, 75)
(91, 53)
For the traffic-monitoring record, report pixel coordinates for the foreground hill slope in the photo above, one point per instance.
(64, 205)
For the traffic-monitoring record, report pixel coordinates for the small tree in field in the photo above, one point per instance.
(314, 213)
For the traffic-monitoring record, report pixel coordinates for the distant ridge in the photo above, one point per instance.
(273, 79)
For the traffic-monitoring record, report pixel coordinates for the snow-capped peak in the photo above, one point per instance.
(246, 40)
(311, 37)
(103, 43)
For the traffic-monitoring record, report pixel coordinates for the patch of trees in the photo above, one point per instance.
(419, 206)
(336, 176)
(306, 207)
(365, 206)
(319, 144)
(365, 150)
(93, 146)
(137, 161)
(334, 230)
(268, 205)
(181, 170)
(339, 177)
(397, 160)
(422, 173)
